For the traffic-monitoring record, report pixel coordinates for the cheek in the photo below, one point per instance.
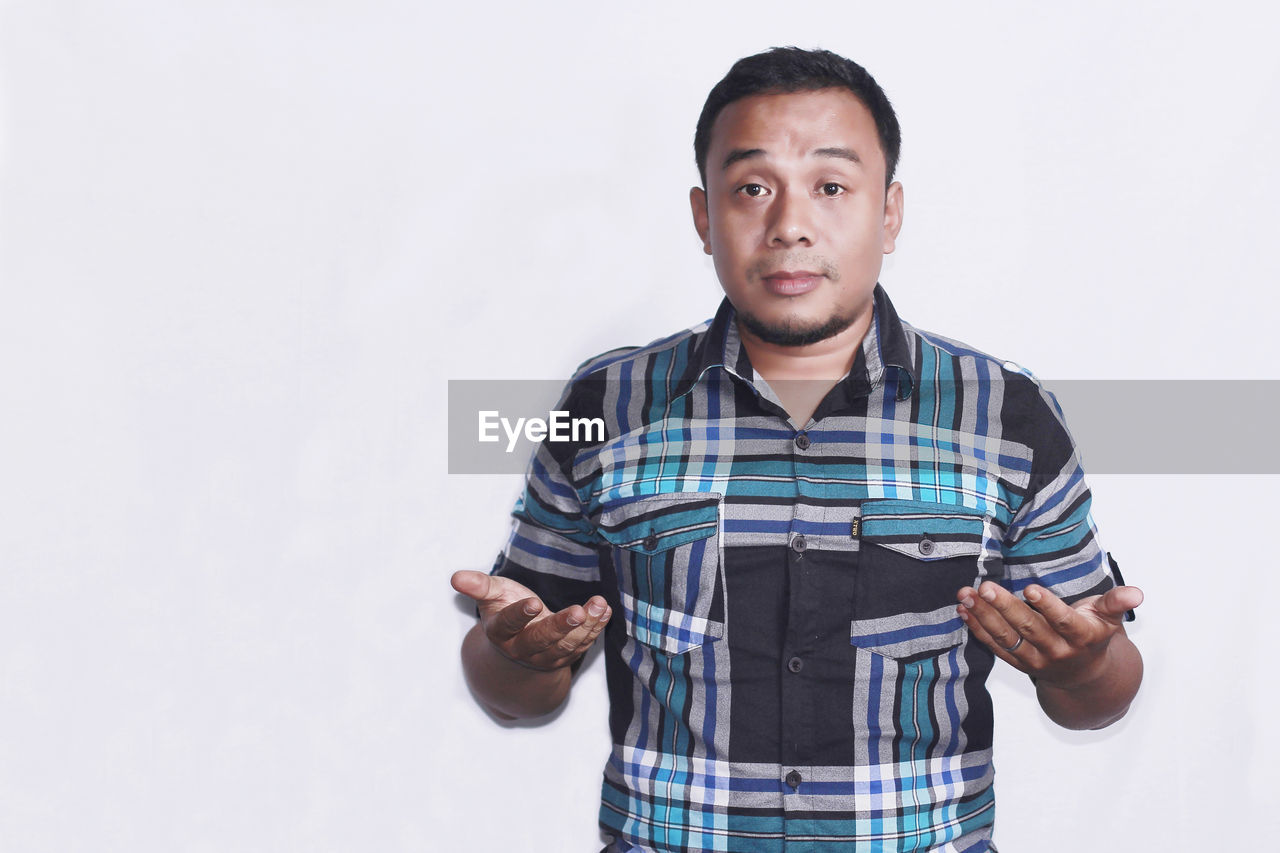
(866, 237)
(725, 270)
(732, 242)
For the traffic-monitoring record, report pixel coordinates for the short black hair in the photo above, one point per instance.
(783, 70)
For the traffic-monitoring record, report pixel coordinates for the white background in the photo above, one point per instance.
(243, 245)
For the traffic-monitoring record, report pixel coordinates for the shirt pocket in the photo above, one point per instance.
(914, 557)
(666, 554)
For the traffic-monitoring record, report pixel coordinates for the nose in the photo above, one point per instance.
(791, 223)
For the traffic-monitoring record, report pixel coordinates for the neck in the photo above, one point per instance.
(828, 359)
(802, 376)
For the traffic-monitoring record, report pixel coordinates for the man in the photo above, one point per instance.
(811, 528)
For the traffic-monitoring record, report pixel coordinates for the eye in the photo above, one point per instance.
(752, 190)
(831, 189)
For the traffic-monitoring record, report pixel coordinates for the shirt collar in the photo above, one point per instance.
(885, 354)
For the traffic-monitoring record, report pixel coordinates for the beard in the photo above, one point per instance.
(792, 333)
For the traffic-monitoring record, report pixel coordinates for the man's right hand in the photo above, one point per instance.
(519, 626)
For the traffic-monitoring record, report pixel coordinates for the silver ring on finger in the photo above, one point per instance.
(1015, 646)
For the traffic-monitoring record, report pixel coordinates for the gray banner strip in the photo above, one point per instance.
(499, 410)
(1173, 426)
(1122, 426)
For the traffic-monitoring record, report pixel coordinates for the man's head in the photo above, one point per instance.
(797, 206)
(784, 70)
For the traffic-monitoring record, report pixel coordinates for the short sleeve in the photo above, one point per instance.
(1052, 539)
(553, 549)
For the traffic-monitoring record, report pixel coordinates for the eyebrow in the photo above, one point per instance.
(748, 153)
(741, 154)
(842, 153)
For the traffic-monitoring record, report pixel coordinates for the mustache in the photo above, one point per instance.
(794, 261)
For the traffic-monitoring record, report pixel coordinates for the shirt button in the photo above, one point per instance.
(798, 544)
(926, 546)
(795, 664)
(802, 441)
(651, 541)
(794, 778)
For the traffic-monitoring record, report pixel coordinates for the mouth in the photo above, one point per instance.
(792, 282)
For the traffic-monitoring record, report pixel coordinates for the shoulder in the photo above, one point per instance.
(1028, 412)
(652, 371)
(941, 346)
(615, 361)
(965, 361)
(628, 387)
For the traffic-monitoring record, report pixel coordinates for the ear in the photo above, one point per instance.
(701, 222)
(892, 216)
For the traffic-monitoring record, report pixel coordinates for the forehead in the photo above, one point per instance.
(795, 122)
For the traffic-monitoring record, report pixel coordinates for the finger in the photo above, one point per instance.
(566, 634)
(1007, 619)
(601, 621)
(1118, 601)
(502, 626)
(598, 613)
(573, 624)
(983, 636)
(985, 621)
(1061, 617)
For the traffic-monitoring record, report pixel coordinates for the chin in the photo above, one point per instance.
(793, 331)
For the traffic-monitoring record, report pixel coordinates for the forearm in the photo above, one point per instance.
(1101, 700)
(506, 688)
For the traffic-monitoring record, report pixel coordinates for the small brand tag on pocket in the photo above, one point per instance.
(854, 528)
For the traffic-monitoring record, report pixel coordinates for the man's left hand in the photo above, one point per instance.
(1054, 642)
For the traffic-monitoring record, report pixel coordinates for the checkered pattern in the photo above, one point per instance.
(786, 668)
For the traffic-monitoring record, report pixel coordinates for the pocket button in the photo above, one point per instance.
(651, 542)
(926, 546)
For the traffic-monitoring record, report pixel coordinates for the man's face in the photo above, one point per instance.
(795, 213)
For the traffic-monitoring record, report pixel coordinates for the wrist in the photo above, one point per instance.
(506, 688)
(1098, 695)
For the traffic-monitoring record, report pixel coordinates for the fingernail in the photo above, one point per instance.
(531, 608)
(988, 594)
(595, 609)
(967, 601)
(964, 614)
(1033, 594)
(574, 621)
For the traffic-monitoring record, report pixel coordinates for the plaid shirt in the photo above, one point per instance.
(786, 668)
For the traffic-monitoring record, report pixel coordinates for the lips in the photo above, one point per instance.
(792, 282)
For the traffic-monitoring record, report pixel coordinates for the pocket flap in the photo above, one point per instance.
(923, 531)
(653, 524)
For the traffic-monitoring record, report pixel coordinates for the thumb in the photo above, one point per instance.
(476, 585)
(489, 591)
(1116, 601)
